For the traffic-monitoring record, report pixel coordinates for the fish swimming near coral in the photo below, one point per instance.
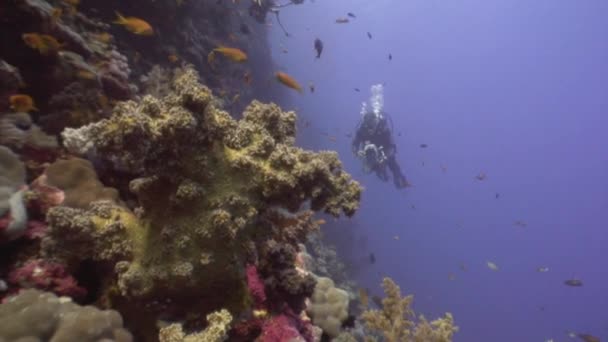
(244, 29)
(573, 282)
(318, 47)
(588, 338)
(22, 103)
(135, 25)
(233, 54)
(311, 87)
(492, 266)
(288, 81)
(44, 43)
(173, 58)
(481, 176)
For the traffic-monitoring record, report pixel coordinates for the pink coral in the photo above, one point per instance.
(256, 286)
(35, 229)
(47, 196)
(47, 276)
(286, 327)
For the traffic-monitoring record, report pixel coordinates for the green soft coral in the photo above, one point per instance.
(397, 322)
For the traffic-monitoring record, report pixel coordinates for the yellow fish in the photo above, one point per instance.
(22, 103)
(288, 81)
(44, 43)
(135, 25)
(234, 54)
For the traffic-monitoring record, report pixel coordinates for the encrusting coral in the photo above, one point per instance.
(207, 186)
(397, 322)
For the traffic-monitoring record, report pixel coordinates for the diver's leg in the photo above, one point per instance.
(398, 177)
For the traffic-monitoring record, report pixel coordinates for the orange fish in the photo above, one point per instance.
(86, 75)
(44, 43)
(56, 14)
(320, 221)
(22, 103)
(234, 54)
(72, 2)
(288, 81)
(103, 37)
(135, 25)
(173, 58)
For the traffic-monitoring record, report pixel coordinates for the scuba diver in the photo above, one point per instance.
(373, 141)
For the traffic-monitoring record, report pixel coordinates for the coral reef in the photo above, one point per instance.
(213, 193)
(17, 130)
(13, 217)
(77, 182)
(39, 316)
(46, 276)
(216, 330)
(397, 322)
(329, 306)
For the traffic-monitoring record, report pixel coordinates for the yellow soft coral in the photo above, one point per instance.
(397, 322)
(219, 324)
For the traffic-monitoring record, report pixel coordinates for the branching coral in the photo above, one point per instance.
(397, 322)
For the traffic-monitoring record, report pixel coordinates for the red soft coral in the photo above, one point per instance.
(47, 276)
(286, 327)
(256, 286)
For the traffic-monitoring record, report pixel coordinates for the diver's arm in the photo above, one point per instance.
(357, 140)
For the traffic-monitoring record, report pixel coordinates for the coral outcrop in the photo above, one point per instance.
(218, 324)
(17, 130)
(77, 182)
(212, 192)
(397, 322)
(33, 315)
(329, 306)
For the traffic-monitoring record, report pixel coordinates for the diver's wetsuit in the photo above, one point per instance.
(381, 136)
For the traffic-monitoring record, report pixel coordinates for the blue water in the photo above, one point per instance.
(517, 89)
